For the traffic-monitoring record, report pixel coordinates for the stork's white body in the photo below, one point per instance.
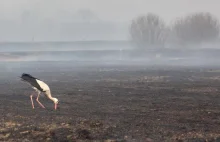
(42, 85)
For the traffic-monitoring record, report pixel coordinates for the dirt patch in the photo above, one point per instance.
(118, 107)
(201, 90)
(8, 57)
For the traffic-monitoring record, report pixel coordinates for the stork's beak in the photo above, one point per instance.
(55, 106)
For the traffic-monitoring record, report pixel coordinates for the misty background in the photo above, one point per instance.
(71, 20)
(106, 31)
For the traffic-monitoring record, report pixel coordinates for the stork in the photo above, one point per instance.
(40, 87)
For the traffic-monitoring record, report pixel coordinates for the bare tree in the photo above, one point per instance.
(196, 28)
(148, 31)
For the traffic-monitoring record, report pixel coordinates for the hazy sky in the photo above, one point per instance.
(119, 10)
(108, 10)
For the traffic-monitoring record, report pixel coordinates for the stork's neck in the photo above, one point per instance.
(51, 98)
(48, 94)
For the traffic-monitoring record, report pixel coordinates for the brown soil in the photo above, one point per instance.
(117, 104)
(8, 57)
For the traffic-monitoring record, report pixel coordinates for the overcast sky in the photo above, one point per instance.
(108, 10)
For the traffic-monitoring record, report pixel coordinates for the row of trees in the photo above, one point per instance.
(151, 31)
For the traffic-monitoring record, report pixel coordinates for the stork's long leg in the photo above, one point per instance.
(32, 101)
(37, 99)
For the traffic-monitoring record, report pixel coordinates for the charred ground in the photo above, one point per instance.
(118, 103)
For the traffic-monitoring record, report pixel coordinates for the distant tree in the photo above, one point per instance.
(196, 28)
(148, 31)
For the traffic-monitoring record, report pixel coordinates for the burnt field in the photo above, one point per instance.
(112, 103)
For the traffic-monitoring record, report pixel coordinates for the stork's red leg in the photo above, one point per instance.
(32, 101)
(37, 99)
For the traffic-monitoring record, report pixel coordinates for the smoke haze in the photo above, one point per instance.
(71, 20)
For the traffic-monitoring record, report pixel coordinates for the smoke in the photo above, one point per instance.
(102, 53)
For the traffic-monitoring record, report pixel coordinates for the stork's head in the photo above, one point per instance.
(55, 100)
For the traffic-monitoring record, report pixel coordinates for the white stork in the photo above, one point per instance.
(39, 86)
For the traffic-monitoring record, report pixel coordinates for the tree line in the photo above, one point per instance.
(150, 30)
